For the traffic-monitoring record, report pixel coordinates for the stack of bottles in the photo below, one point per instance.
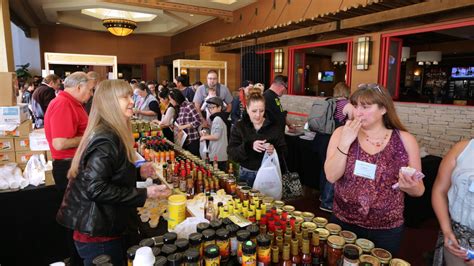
(142, 128)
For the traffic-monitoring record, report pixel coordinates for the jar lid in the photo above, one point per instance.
(216, 224)
(227, 221)
(208, 235)
(336, 241)
(354, 246)
(211, 251)
(365, 244)
(131, 251)
(254, 230)
(170, 237)
(334, 229)
(383, 255)
(309, 225)
(245, 189)
(174, 259)
(297, 213)
(101, 259)
(351, 252)
(370, 259)
(309, 215)
(168, 249)
(278, 203)
(263, 240)
(287, 208)
(233, 228)
(398, 262)
(222, 234)
(182, 244)
(191, 255)
(160, 261)
(147, 242)
(156, 251)
(249, 247)
(320, 221)
(230, 180)
(323, 233)
(202, 226)
(243, 235)
(348, 236)
(195, 238)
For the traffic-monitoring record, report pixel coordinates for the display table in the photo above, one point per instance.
(303, 160)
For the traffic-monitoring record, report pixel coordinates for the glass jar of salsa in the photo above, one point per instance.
(230, 186)
(323, 236)
(382, 255)
(334, 250)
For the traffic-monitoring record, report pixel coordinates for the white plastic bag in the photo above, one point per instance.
(34, 170)
(268, 180)
(203, 149)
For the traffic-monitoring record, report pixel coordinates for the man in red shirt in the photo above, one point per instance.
(64, 124)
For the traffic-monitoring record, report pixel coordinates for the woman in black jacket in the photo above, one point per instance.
(101, 190)
(252, 136)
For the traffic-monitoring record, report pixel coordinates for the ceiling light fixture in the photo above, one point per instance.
(119, 26)
(428, 57)
(339, 58)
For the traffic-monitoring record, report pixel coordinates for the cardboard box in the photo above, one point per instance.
(22, 144)
(49, 156)
(23, 130)
(7, 157)
(48, 178)
(38, 141)
(14, 114)
(7, 144)
(23, 156)
(8, 88)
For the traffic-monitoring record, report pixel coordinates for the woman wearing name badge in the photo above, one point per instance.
(364, 158)
(453, 202)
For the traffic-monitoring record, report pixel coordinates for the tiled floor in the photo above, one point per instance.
(417, 243)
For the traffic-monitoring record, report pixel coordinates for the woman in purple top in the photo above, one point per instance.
(363, 161)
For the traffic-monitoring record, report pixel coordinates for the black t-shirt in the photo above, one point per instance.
(155, 107)
(273, 109)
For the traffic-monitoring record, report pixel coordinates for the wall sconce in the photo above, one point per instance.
(405, 53)
(184, 71)
(339, 58)
(67, 73)
(278, 60)
(428, 57)
(120, 75)
(363, 53)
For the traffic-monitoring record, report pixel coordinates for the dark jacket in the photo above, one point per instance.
(99, 200)
(242, 136)
(274, 110)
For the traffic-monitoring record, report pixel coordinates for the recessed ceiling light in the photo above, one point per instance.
(191, 15)
(58, 23)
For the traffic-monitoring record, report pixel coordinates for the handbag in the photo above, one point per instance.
(292, 187)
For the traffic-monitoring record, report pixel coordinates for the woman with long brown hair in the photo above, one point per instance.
(101, 190)
(364, 159)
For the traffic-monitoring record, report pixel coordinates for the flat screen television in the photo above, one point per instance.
(327, 76)
(462, 72)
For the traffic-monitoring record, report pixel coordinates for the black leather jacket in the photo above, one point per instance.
(99, 200)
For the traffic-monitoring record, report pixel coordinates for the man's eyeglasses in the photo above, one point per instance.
(370, 86)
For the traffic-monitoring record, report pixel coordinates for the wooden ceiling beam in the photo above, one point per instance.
(421, 9)
(322, 28)
(225, 15)
(234, 46)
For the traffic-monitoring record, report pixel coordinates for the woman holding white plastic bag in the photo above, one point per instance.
(252, 136)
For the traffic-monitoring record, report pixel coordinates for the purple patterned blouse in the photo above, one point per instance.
(372, 204)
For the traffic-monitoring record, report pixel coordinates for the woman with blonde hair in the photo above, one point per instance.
(364, 160)
(101, 190)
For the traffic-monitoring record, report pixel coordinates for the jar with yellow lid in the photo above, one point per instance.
(334, 250)
(287, 208)
(399, 262)
(333, 229)
(365, 244)
(278, 204)
(370, 259)
(296, 214)
(348, 236)
(309, 225)
(323, 236)
(320, 221)
(308, 216)
(382, 255)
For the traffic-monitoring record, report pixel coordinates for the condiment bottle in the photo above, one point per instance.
(168, 249)
(249, 253)
(211, 255)
(295, 253)
(254, 231)
(102, 259)
(170, 238)
(208, 237)
(174, 259)
(131, 254)
(195, 241)
(191, 257)
(233, 228)
(202, 226)
(263, 250)
(276, 256)
(182, 244)
(316, 250)
(306, 259)
(242, 236)
(223, 244)
(286, 261)
(350, 256)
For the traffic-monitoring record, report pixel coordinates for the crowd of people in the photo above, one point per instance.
(94, 158)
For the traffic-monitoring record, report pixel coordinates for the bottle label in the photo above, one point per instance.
(348, 263)
(249, 260)
(212, 262)
(233, 246)
(264, 257)
(223, 248)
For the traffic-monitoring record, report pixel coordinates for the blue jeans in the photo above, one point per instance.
(320, 146)
(89, 251)
(388, 239)
(247, 175)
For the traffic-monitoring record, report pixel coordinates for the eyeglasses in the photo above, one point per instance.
(210, 107)
(370, 86)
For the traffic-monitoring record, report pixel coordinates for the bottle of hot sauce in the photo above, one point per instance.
(316, 250)
(286, 261)
(295, 253)
(306, 259)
